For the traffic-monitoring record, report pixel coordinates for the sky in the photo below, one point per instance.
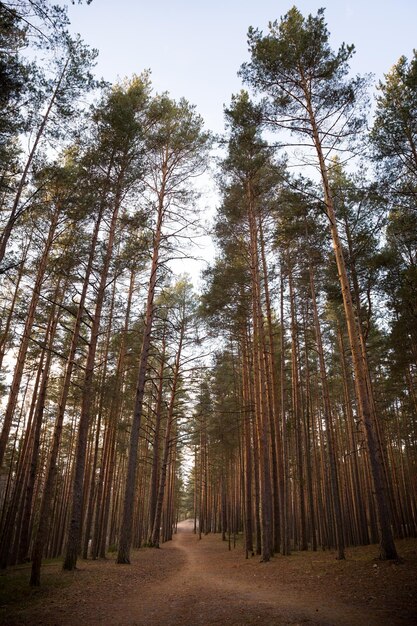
(194, 48)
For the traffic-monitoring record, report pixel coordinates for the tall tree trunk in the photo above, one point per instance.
(261, 414)
(167, 441)
(107, 465)
(123, 555)
(52, 469)
(248, 452)
(365, 401)
(154, 486)
(357, 489)
(276, 443)
(297, 418)
(307, 436)
(40, 407)
(75, 528)
(13, 510)
(285, 538)
(328, 418)
(5, 332)
(92, 485)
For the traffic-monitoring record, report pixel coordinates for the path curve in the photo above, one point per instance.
(204, 592)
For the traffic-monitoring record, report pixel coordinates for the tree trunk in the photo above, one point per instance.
(125, 540)
(21, 357)
(248, 452)
(167, 441)
(5, 333)
(38, 420)
(51, 473)
(75, 529)
(154, 484)
(261, 414)
(303, 545)
(285, 539)
(387, 545)
(328, 418)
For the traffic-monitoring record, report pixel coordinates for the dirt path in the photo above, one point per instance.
(208, 590)
(201, 583)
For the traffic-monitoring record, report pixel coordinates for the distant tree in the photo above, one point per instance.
(181, 303)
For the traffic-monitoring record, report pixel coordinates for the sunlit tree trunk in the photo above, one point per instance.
(261, 414)
(364, 393)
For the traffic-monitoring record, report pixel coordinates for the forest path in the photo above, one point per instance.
(210, 588)
(189, 582)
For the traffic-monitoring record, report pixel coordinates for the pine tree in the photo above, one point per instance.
(310, 95)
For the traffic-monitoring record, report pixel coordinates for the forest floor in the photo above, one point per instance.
(201, 583)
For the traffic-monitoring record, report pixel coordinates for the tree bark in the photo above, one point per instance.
(328, 418)
(167, 441)
(125, 539)
(52, 469)
(365, 401)
(75, 528)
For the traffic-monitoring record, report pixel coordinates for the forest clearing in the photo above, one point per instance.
(208, 326)
(200, 582)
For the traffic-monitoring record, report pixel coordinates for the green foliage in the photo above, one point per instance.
(121, 117)
(295, 67)
(394, 133)
(13, 73)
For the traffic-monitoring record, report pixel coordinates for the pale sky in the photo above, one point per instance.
(195, 47)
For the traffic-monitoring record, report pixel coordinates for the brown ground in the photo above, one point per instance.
(201, 583)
